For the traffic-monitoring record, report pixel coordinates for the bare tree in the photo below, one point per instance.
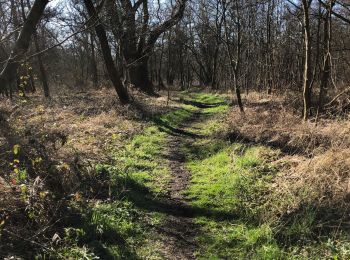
(234, 61)
(326, 68)
(137, 42)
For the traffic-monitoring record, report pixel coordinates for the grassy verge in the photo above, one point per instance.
(236, 180)
(233, 181)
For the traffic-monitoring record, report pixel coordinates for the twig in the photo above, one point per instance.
(337, 96)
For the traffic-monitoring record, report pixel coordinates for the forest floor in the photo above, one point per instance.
(186, 178)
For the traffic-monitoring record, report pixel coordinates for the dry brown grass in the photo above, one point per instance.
(313, 163)
(322, 181)
(274, 122)
(60, 142)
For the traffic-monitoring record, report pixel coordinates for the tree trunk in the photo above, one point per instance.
(139, 76)
(29, 71)
(93, 62)
(326, 69)
(42, 70)
(43, 75)
(8, 74)
(234, 65)
(107, 56)
(238, 95)
(307, 61)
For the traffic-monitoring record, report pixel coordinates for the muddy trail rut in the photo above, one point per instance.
(179, 229)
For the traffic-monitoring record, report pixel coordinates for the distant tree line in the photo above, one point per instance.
(237, 45)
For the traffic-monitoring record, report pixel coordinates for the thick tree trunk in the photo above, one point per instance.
(8, 74)
(139, 76)
(136, 44)
(107, 56)
(42, 70)
(32, 87)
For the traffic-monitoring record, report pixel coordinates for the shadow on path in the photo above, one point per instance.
(142, 198)
(201, 104)
(164, 126)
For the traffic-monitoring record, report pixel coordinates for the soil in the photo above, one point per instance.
(179, 229)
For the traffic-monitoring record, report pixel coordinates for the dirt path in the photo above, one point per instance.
(179, 228)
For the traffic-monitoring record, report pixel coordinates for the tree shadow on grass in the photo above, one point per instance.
(144, 199)
(201, 104)
(167, 128)
(99, 242)
(281, 144)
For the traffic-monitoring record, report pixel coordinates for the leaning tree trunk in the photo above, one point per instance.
(107, 56)
(8, 74)
(43, 75)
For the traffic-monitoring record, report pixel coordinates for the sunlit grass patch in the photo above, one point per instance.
(206, 98)
(211, 181)
(216, 109)
(227, 240)
(230, 179)
(211, 126)
(173, 119)
(227, 180)
(233, 181)
(141, 160)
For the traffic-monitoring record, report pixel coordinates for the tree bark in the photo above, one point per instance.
(42, 70)
(234, 64)
(139, 76)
